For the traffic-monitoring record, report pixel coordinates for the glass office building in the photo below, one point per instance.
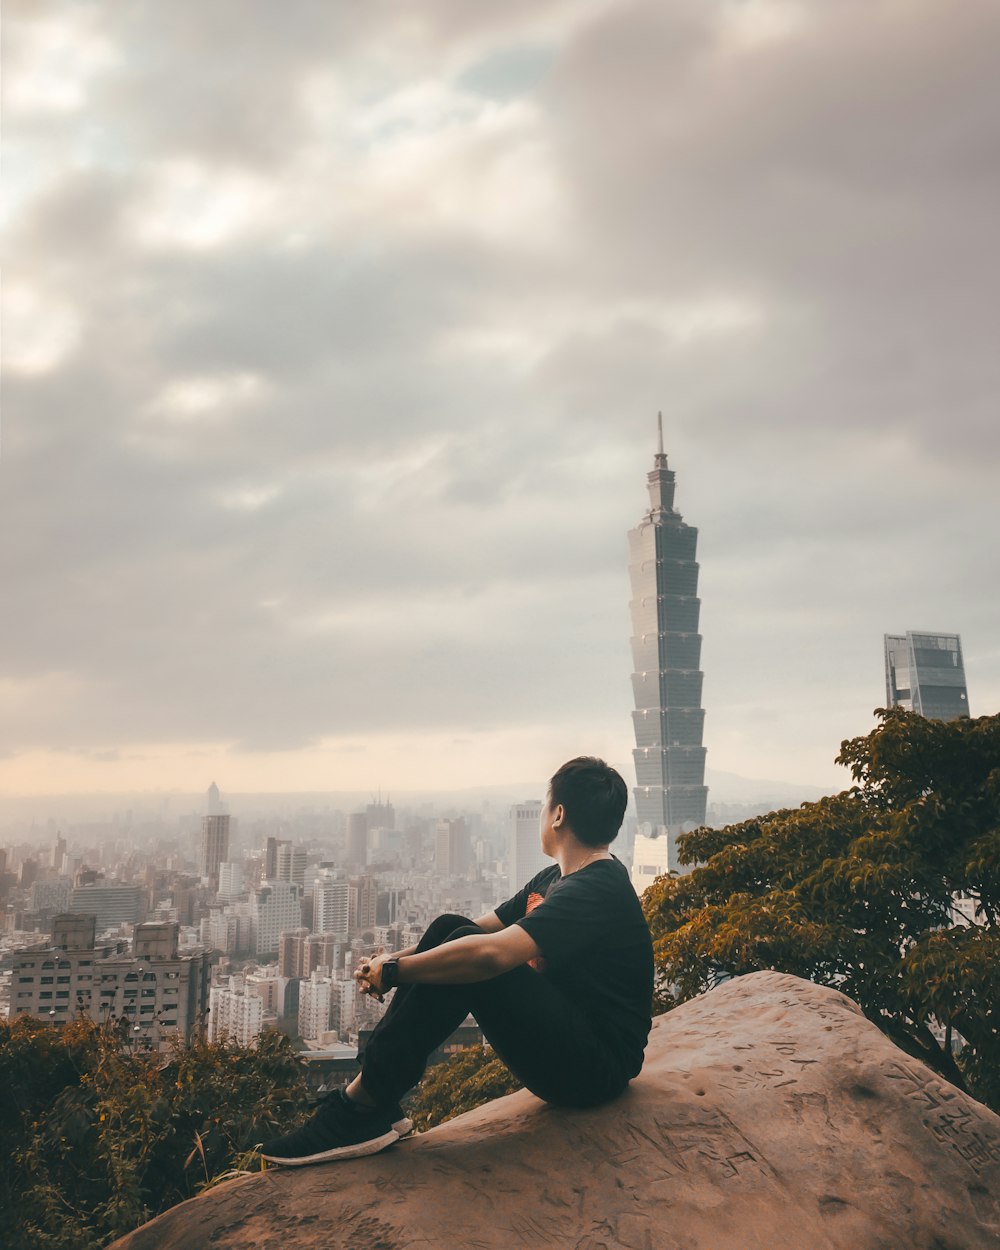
(670, 792)
(924, 673)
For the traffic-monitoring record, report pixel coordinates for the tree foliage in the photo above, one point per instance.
(100, 1138)
(467, 1080)
(858, 890)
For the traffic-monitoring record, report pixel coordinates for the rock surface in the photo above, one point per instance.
(770, 1115)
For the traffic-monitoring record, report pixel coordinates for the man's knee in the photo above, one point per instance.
(443, 928)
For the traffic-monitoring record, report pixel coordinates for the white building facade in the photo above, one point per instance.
(275, 907)
(525, 857)
(235, 1013)
(314, 1006)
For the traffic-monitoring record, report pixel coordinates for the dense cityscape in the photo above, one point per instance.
(221, 925)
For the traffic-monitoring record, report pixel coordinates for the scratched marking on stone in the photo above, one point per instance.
(627, 1149)
(973, 1144)
(712, 1141)
(802, 999)
(533, 1228)
(761, 1078)
(952, 1125)
(921, 1088)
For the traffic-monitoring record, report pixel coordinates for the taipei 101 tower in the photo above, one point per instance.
(670, 792)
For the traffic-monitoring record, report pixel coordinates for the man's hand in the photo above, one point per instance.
(368, 975)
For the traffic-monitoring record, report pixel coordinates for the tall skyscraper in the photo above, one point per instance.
(525, 857)
(451, 847)
(670, 792)
(214, 846)
(271, 858)
(363, 905)
(924, 673)
(381, 815)
(357, 839)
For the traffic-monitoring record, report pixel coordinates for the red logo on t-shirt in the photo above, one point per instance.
(533, 901)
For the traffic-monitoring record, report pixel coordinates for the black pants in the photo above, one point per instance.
(542, 1035)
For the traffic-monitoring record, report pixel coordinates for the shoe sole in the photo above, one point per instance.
(403, 1127)
(357, 1151)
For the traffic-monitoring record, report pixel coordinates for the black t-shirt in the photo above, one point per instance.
(595, 947)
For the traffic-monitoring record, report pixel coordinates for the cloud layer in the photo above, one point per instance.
(334, 337)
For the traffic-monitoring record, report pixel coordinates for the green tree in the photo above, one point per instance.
(467, 1080)
(858, 890)
(101, 1137)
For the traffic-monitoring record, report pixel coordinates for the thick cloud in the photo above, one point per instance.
(334, 341)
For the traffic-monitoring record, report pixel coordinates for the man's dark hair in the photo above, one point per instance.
(594, 797)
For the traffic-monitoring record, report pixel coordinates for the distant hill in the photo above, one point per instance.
(732, 788)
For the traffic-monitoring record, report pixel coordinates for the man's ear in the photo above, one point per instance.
(558, 816)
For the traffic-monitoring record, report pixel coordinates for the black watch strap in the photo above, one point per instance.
(389, 974)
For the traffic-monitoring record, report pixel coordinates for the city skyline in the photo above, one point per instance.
(328, 381)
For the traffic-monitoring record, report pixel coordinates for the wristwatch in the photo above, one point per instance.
(388, 975)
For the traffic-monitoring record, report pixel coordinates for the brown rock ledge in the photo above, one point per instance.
(770, 1115)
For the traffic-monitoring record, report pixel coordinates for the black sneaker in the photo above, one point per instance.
(400, 1121)
(339, 1129)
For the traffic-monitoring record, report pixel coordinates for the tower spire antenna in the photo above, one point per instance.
(659, 433)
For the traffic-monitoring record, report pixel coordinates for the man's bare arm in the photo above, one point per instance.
(476, 957)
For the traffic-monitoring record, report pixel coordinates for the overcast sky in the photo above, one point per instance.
(335, 335)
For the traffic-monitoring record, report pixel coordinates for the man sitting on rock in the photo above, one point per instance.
(559, 978)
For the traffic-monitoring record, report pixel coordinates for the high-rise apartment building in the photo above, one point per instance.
(113, 903)
(670, 792)
(357, 839)
(323, 951)
(52, 895)
(364, 905)
(343, 1006)
(274, 907)
(271, 858)
(235, 1013)
(332, 906)
(451, 847)
(290, 945)
(291, 863)
(214, 846)
(314, 1006)
(231, 882)
(924, 673)
(525, 858)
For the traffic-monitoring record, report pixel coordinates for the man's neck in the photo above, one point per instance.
(574, 855)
